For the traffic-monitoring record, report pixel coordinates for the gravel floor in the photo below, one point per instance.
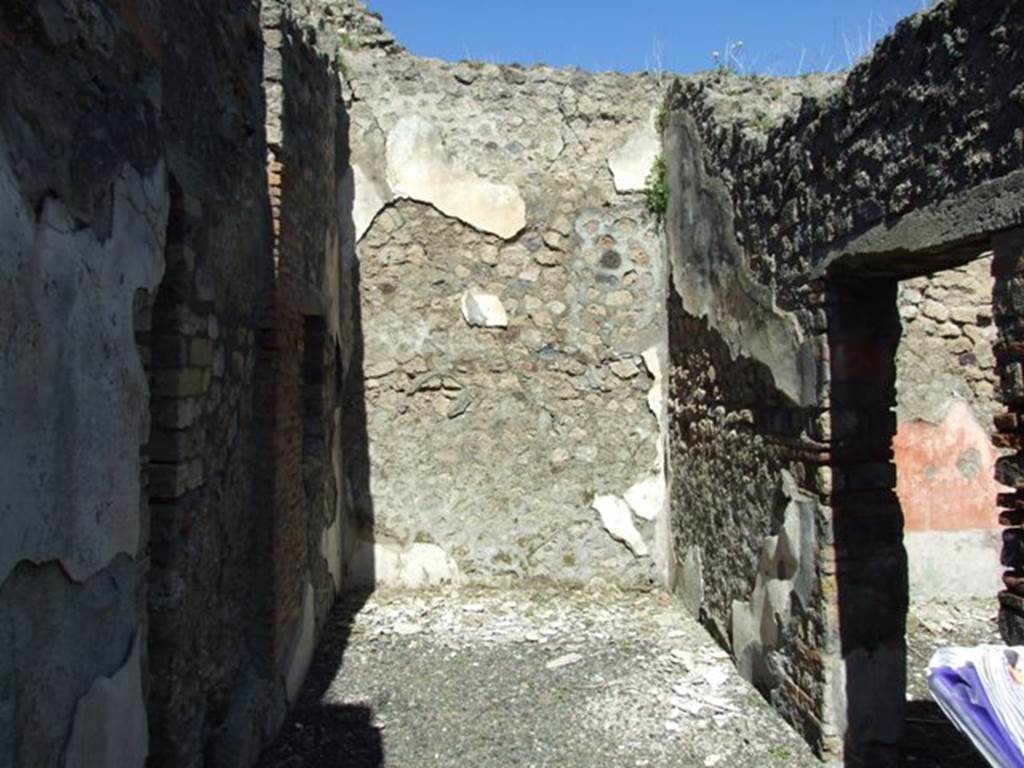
(495, 679)
(528, 678)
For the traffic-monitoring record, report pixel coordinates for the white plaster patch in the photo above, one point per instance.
(631, 161)
(647, 497)
(976, 554)
(110, 727)
(664, 554)
(655, 398)
(303, 643)
(370, 199)
(420, 168)
(483, 310)
(69, 450)
(692, 580)
(618, 521)
(652, 361)
(416, 566)
(330, 549)
(331, 543)
(424, 565)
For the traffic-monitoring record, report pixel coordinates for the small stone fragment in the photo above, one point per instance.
(530, 273)
(483, 310)
(459, 406)
(624, 369)
(380, 368)
(619, 299)
(406, 628)
(715, 677)
(564, 661)
(554, 240)
(936, 311)
(560, 456)
(547, 258)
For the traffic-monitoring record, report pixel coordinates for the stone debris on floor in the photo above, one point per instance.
(929, 739)
(536, 677)
(934, 624)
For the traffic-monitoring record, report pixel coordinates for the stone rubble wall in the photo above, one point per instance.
(945, 405)
(790, 221)
(946, 350)
(511, 289)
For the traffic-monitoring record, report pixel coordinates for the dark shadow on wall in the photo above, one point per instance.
(216, 692)
(359, 521)
(321, 727)
(867, 522)
(211, 684)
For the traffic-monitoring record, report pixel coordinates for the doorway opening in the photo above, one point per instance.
(913, 386)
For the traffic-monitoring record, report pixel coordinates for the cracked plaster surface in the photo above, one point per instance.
(69, 452)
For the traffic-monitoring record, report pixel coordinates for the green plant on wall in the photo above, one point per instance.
(662, 119)
(656, 189)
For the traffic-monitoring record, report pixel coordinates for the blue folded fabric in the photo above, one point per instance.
(961, 695)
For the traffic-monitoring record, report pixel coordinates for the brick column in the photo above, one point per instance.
(1008, 312)
(867, 524)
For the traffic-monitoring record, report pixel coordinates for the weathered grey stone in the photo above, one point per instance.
(380, 368)
(624, 369)
(619, 299)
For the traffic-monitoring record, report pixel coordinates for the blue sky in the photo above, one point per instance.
(782, 37)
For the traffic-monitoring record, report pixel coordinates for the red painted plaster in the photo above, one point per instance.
(945, 473)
